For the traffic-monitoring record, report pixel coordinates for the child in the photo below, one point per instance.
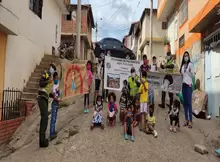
(153, 66)
(124, 101)
(112, 108)
(97, 115)
(97, 81)
(52, 69)
(128, 125)
(55, 105)
(89, 77)
(143, 99)
(136, 111)
(144, 66)
(174, 115)
(150, 123)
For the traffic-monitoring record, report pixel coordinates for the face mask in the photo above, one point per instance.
(145, 62)
(133, 75)
(129, 113)
(186, 58)
(151, 114)
(51, 70)
(168, 57)
(99, 102)
(56, 81)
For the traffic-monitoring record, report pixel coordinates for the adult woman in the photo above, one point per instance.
(187, 71)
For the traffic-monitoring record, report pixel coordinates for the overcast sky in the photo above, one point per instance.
(114, 17)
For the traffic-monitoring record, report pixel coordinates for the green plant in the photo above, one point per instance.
(166, 41)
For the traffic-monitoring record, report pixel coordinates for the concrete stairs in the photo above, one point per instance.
(30, 91)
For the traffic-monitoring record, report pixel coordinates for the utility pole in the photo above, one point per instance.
(96, 31)
(151, 28)
(78, 29)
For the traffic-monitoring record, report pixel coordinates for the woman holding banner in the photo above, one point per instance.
(187, 70)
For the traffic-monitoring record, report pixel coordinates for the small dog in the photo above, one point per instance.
(174, 116)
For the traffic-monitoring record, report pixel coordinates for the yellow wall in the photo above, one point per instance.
(3, 39)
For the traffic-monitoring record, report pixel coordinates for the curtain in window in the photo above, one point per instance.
(31, 5)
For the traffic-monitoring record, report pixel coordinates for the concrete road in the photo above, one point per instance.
(108, 145)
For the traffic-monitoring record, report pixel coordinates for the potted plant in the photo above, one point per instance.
(166, 43)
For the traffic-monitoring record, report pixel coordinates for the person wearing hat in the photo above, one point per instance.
(45, 86)
(169, 68)
(133, 83)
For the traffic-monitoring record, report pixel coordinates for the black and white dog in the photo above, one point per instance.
(174, 116)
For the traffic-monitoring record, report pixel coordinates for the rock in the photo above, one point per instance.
(59, 141)
(201, 149)
(72, 132)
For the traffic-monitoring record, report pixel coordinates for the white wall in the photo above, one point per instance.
(35, 38)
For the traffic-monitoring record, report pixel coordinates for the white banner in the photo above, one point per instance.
(117, 70)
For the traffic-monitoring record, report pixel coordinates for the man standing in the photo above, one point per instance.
(133, 83)
(45, 85)
(169, 66)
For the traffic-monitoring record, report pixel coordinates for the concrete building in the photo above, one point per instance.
(28, 30)
(69, 29)
(158, 34)
(193, 26)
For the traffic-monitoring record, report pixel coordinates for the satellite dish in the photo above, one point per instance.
(74, 15)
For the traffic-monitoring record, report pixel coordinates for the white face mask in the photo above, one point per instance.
(99, 103)
(133, 75)
(51, 70)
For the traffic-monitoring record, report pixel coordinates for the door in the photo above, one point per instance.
(216, 79)
(208, 81)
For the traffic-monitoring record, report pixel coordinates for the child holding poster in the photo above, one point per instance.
(89, 77)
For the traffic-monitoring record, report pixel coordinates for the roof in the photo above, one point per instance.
(84, 6)
(146, 11)
(132, 27)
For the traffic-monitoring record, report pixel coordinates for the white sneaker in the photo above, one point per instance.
(155, 134)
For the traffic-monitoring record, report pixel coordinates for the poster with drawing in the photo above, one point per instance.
(169, 82)
(117, 70)
(74, 79)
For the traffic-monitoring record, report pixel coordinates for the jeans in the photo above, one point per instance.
(187, 98)
(54, 110)
(43, 105)
(86, 100)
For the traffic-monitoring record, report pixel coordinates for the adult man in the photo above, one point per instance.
(169, 66)
(133, 83)
(45, 85)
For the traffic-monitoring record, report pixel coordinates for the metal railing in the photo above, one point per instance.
(12, 106)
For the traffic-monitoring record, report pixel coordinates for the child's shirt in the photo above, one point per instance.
(112, 107)
(153, 67)
(151, 119)
(144, 94)
(123, 101)
(89, 74)
(98, 108)
(56, 90)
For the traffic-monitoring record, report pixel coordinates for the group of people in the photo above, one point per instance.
(136, 101)
(136, 104)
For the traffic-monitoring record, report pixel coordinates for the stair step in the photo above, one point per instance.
(30, 90)
(43, 67)
(36, 74)
(29, 95)
(50, 60)
(34, 79)
(32, 84)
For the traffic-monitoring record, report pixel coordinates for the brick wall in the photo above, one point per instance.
(8, 127)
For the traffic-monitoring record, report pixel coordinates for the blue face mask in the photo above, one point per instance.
(56, 81)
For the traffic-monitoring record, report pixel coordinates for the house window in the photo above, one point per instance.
(182, 41)
(36, 6)
(183, 11)
(164, 25)
(69, 16)
(176, 30)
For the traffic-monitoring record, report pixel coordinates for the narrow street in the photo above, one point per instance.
(109, 144)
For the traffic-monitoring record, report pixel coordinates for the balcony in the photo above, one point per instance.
(165, 7)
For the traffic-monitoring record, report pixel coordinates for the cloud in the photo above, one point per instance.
(114, 17)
